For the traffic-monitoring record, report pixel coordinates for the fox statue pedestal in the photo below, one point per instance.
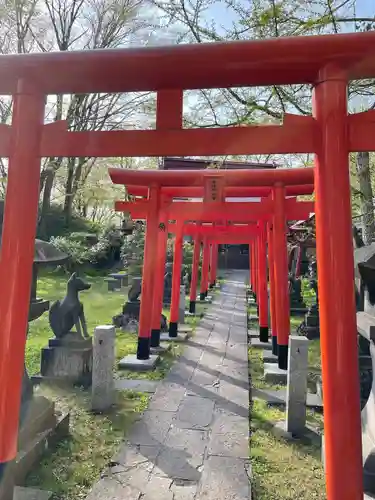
(68, 357)
(67, 360)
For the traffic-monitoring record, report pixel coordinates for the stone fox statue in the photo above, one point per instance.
(66, 313)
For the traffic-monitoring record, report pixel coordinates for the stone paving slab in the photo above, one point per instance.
(192, 443)
(21, 493)
(138, 385)
(224, 478)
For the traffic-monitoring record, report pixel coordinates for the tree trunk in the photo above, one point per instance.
(68, 203)
(367, 203)
(46, 201)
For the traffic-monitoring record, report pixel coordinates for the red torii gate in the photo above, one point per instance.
(210, 235)
(326, 62)
(213, 208)
(240, 191)
(236, 233)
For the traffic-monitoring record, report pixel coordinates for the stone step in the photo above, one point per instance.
(252, 334)
(181, 337)
(273, 374)
(277, 398)
(268, 357)
(257, 344)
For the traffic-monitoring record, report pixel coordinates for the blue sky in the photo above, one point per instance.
(365, 7)
(219, 13)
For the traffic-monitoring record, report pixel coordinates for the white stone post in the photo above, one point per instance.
(103, 389)
(182, 305)
(296, 392)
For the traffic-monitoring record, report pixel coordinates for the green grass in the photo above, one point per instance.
(307, 292)
(71, 470)
(282, 470)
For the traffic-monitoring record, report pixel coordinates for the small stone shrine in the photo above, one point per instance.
(131, 309)
(310, 325)
(297, 303)
(167, 295)
(301, 250)
(68, 357)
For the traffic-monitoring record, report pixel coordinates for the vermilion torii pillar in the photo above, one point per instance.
(176, 281)
(262, 294)
(148, 274)
(194, 274)
(16, 262)
(214, 261)
(280, 257)
(205, 269)
(253, 270)
(273, 291)
(338, 330)
(157, 306)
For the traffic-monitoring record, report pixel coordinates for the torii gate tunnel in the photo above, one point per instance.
(327, 63)
(214, 206)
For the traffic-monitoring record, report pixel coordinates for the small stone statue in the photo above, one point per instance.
(167, 284)
(185, 279)
(313, 271)
(131, 309)
(310, 325)
(357, 238)
(135, 290)
(66, 313)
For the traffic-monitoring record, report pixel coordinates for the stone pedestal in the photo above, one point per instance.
(113, 284)
(41, 430)
(131, 362)
(103, 387)
(67, 360)
(181, 337)
(121, 278)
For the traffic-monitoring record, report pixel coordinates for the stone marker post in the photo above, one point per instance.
(182, 305)
(296, 392)
(102, 370)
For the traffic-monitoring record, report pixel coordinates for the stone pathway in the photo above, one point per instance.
(192, 443)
